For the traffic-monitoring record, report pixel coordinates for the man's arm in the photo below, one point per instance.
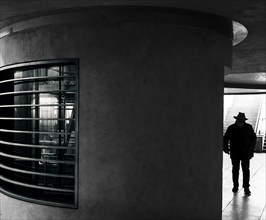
(252, 143)
(226, 139)
(253, 139)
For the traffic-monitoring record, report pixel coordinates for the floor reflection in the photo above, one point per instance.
(237, 206)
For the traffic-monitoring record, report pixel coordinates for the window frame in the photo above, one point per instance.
(45, 64)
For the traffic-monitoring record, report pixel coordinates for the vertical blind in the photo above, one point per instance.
(38, 133)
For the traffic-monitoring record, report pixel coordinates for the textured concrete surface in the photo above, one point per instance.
(150, 118)
(248, 57)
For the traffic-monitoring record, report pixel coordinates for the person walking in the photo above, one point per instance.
(239, 141)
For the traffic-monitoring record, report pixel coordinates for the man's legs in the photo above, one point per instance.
(246, 174)
(235, 172)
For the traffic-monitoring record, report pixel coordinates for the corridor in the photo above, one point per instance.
(238, 206)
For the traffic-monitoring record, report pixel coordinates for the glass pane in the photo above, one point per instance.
(42, 134)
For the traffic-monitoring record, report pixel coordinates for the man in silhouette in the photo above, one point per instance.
(242, 139)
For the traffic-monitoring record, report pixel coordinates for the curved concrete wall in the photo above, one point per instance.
(150, 117)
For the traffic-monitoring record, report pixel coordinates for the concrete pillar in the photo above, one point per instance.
(150, 110)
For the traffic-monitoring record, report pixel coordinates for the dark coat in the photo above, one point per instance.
(242, 141)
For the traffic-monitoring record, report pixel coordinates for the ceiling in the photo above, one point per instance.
(249, 56)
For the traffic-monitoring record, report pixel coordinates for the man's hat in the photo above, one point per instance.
(241, 116)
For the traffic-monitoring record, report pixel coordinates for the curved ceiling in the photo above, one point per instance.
(249, 56)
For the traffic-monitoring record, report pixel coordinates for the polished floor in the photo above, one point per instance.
(237, 206)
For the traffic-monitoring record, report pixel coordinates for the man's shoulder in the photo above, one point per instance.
(248, 125)
(230, 128)
(232, 125)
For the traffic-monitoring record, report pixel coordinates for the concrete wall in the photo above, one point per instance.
(150, 118)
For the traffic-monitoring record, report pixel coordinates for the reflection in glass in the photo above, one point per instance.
(42, 138)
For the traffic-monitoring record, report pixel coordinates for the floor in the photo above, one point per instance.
(238, 206)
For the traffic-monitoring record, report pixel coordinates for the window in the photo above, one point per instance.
(38, 132)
